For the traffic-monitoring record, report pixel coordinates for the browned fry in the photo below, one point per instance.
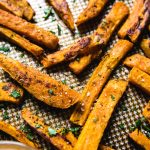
(20, 41)
(43, 130)
(90, 43)
(98, 79)
(40, 85)
(103, 33)
(10, 93)
(63, 10)
(11, 6)
(140, 139)
(103, 147)
(92, 10)
(138, 61)
(146, 112)
(140, 79)
(145, 45)
(98, 119)
(136, 21)
(32, 31)
(71, 138)
(28, 12)
(16, 133)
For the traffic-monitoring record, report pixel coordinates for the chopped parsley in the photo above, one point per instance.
(37, 126)
(4, 49)
(52, 32)
(75, 130)
(15, 94)
(74, 1)
(78, 59)
(59, 29)
(64, 81)
(30, 136)
(121, 126)
(48, 12)
(22, 55)
(112, 97)
(72, 87)
(51, 92)
(51, 132)
(64, 131)
(5, 115)
(24, 128)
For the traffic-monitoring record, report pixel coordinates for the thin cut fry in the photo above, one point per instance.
(145, 45)
(136, 21)
(103, 33)
(146, 112)
(103, 147)
(140, 79)
(39, 126)
(10, 93)
(98, 119)
(92, 10)
(63, 10)
(140, 139)
(20, 41)
(32, 31)
(98, 79)
(11, 6)
(90, 44)
(17, 134)
(71, 138)
(138, 61)
(40, 85)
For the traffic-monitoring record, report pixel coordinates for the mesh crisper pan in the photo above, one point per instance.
(128, 110)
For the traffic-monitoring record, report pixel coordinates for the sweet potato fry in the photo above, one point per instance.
(136, 21)
(100, 115)
(43, 130)
(98, 79)
(32, 31)
(92, 10)
(10, 93)
(146, 112)
(140, 139)
(16, 133)
(28, 12)
(20, 41)
(138, 61)
(140, 79)
(40, 85)
(105, 30)
(63, 10)
(145, 45)
(11, 6)
(92, 43)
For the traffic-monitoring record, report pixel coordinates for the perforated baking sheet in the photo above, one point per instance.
(133, 100)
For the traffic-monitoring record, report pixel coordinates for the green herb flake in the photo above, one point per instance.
(75, 130)
(64, 81)
(22, 55)
(95, 119)
(72, 87)
(59, 29)
(112, 97)
(5, 115)
(64, 131)
(51, 92)
(132, 128)
(52, 32)
(24, 128)
(51, 132)
(48, 12)
(78, 59)
(4, 49)
(15, 94)
(30, 136)
(37, 126)
(74, 1)
(121, 126)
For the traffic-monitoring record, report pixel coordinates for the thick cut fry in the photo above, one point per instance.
(43, 130)
(146, 112)
(98, 79)
(30, 30)
(98, 119)
(138, 61)
(16, 133)
(11, 6)
(78, 65)
(92, 10)
(63, 10)
(136, 21)
(145, 45)
(140, 79)
(103, 33)
(40, 85)
(28, 12)
(10, 93)
(92, 43)
(140, 139)
(20, 41)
